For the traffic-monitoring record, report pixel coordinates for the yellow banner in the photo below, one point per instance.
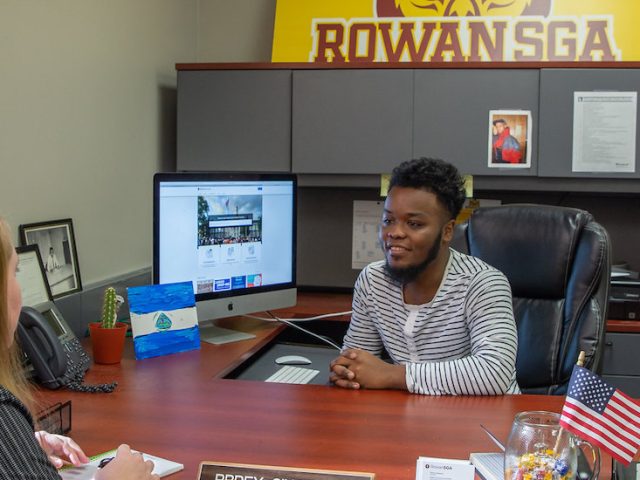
(343, 31)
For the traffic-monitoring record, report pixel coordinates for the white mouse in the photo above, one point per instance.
(293, 360)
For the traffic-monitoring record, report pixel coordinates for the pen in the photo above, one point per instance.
(492, 437)
(103, 463)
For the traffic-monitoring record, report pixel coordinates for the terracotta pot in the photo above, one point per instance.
(107, 343)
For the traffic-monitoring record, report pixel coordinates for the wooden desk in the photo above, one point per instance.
(175, 407)
(317, 303)
(623, 326)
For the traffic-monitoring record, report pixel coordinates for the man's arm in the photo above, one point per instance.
(359, 369)
(490, 369)
(362, 332)
(362, 338)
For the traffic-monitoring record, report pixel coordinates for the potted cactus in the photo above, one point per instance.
(107, 335)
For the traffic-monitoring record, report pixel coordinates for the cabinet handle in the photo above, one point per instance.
(608, 344)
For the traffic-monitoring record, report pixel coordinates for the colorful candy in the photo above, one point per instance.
(542, 465)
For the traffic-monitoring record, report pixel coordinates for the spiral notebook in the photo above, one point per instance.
(161, 467)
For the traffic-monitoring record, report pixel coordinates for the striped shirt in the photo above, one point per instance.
(463, 342)
(21, 457)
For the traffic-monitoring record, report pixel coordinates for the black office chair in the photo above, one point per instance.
(558, 263)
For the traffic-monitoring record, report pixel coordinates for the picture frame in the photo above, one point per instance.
(57, 246)
(32, 276)
(509, 136)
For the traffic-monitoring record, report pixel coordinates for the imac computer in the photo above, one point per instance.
(233, 235)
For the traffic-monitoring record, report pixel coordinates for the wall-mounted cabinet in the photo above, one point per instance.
(364, 120)
(451, 118)
(234, 120)
(557, 87)
(351, 121)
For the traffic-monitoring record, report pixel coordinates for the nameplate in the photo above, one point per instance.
(428, 468)
(235, 471)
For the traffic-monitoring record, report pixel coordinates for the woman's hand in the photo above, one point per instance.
(127, 465)
(61, 450)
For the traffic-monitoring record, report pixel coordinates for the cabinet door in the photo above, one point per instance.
(452, 115)
(234, 120)
(351, 121)
(620, 354)
(557, 87)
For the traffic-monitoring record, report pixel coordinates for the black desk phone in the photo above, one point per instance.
(55, 353)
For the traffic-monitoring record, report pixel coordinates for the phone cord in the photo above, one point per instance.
(76, 384)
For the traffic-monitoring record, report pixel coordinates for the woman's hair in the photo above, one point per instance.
(435, 176)
(11, 370)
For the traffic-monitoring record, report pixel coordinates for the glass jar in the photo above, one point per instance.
(538, 448)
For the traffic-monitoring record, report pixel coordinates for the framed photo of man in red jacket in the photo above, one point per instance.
(509, 139)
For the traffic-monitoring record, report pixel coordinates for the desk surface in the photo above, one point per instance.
(319, 303)
(178, 407)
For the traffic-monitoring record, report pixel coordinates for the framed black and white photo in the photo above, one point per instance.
(57, 246)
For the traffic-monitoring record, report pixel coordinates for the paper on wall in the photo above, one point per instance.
(604, 132)
(366, 222)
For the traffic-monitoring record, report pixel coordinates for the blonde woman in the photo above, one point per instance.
(25, 453)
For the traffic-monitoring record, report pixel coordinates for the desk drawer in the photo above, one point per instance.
(621, 354)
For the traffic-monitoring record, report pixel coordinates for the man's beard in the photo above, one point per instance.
(409, 274)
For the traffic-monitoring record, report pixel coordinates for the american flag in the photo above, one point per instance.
(602, 414)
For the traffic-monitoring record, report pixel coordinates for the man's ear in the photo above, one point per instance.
(447, 231)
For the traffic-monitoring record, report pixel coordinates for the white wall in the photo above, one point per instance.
(87, 115)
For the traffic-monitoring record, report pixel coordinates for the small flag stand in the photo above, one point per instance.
(601, 414)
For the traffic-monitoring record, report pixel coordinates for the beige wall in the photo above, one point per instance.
(85, 85)
(235, 30)
(87, 110)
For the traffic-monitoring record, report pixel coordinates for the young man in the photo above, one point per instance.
(444, 318)
(506, 148)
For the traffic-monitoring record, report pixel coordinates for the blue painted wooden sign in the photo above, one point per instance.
(163, 319)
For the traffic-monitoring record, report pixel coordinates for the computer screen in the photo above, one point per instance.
(233, 236)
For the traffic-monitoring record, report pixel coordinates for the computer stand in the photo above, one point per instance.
(219, 336)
